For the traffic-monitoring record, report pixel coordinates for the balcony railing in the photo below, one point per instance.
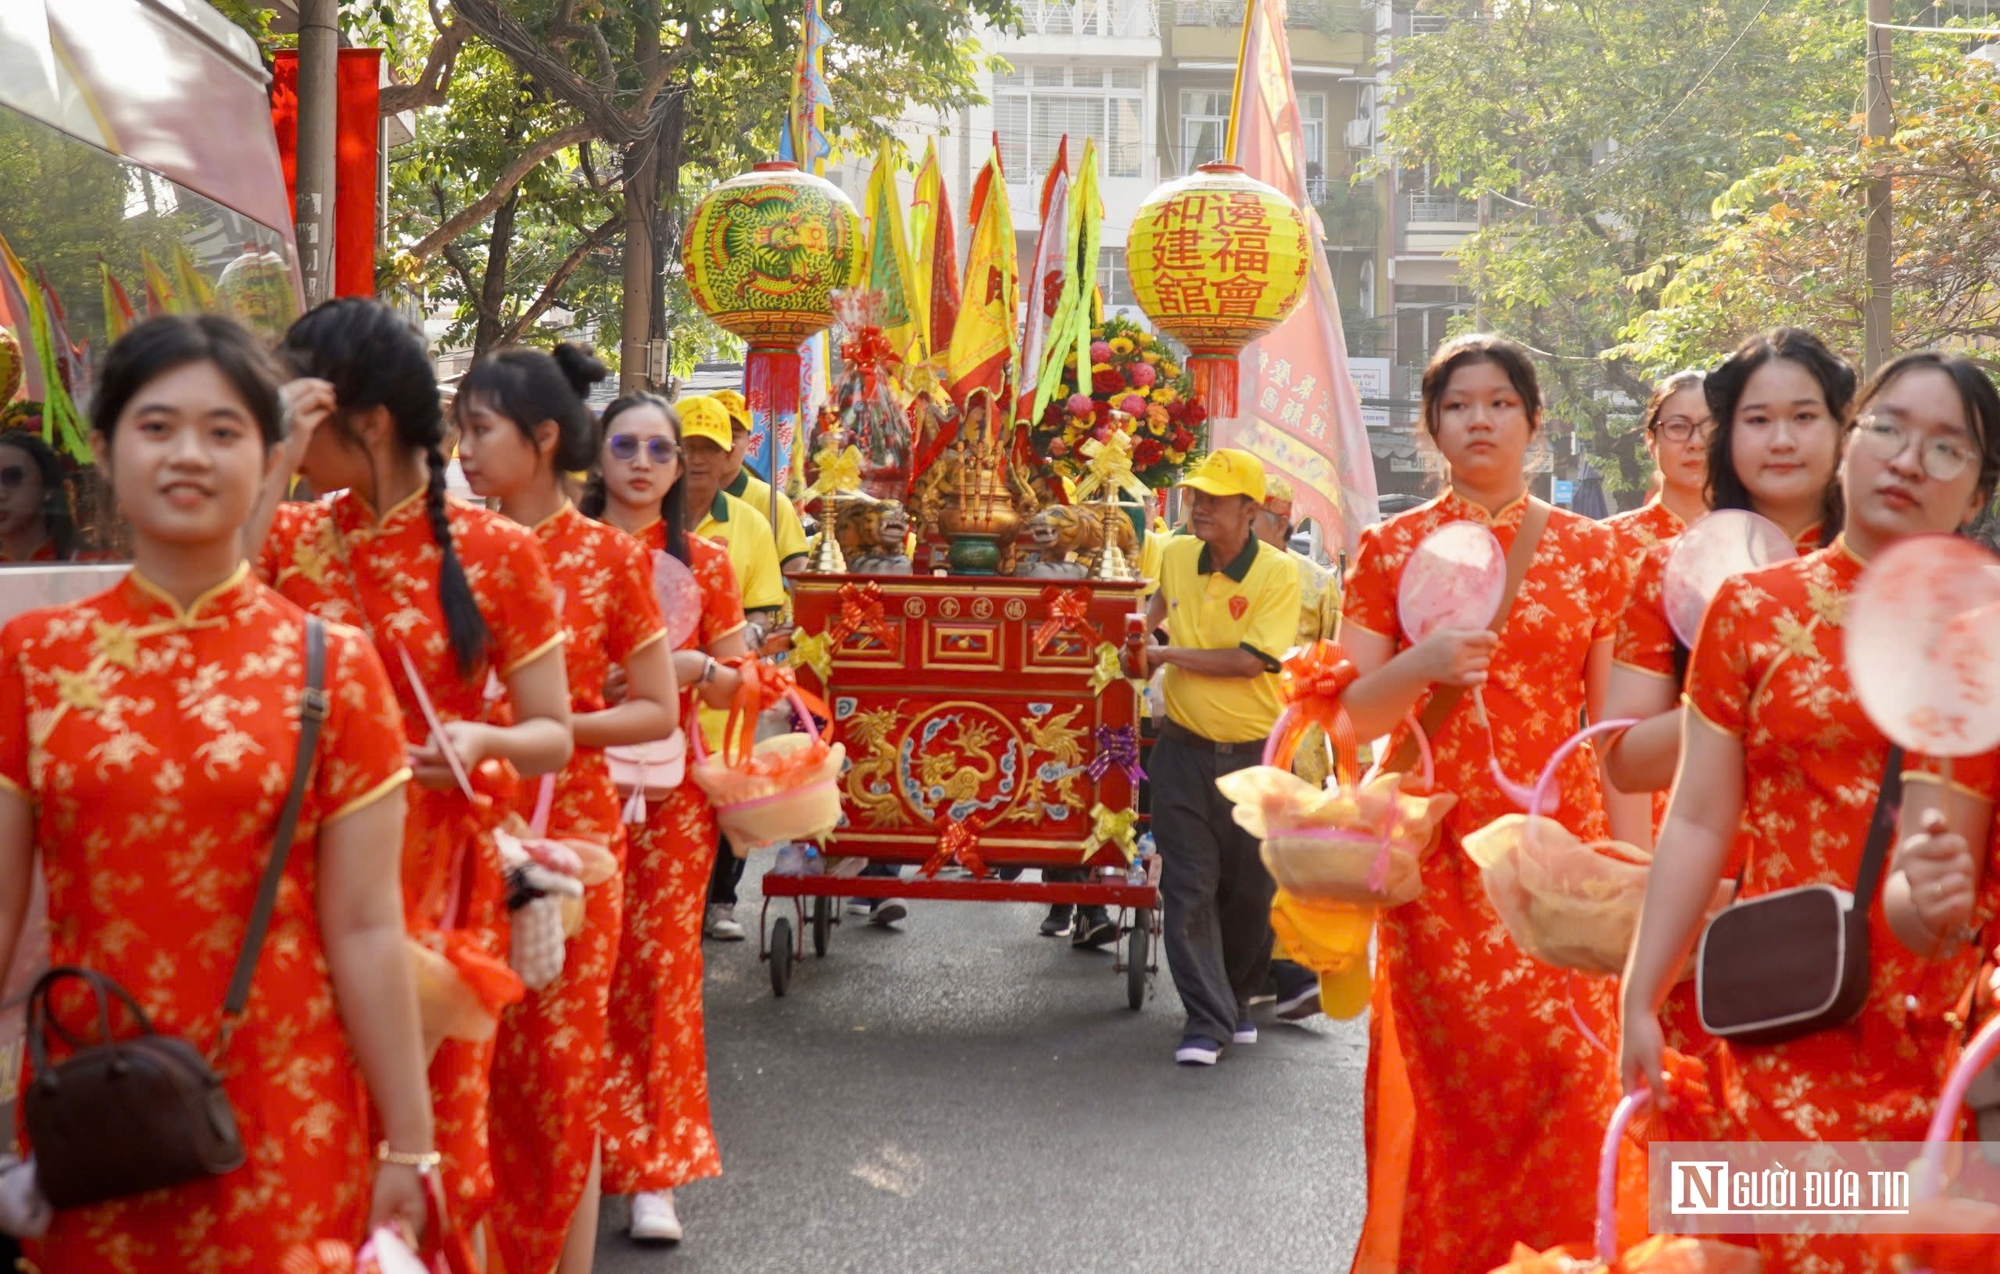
(1324, 15)
(1118, 19)
(1441, 210)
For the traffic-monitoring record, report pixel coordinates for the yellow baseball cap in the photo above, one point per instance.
(736, 406)
(1277, 495)
(703, 417)
(1228, 472)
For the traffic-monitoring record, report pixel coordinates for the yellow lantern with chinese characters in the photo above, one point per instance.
(1218, 259)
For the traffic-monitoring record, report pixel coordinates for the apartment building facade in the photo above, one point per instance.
(1150, 81)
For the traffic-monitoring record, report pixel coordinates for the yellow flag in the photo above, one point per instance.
(982, 343)
(193, 288)
(889, 270)
(924, 203)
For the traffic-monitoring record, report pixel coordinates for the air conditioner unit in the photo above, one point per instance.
(1360, 134)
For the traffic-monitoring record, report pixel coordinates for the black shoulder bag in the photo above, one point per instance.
(122, 1117)
(1776, 967)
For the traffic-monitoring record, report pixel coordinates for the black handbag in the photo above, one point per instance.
(122, 1117)
(1786, 964)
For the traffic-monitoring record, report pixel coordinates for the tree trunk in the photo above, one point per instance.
(667, 215)
(493, 286)
(641, 179)
(640, 167)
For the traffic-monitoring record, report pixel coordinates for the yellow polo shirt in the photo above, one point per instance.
(753, 552)
(1251, 603)
(788, 531)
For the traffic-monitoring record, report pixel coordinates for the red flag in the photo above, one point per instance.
(1301, 413)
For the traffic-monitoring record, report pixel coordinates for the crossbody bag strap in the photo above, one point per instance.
(1881, 830)
(1520, 556)
(312, 712)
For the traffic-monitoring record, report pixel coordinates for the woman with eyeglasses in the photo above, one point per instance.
(147, 743)
(464, 595)
(657, 1134)
(523, 427)
(1676, 426)
(1779, 779)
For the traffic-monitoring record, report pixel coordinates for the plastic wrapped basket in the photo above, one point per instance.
(783, 789)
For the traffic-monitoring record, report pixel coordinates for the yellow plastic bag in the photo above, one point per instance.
(1331, 939)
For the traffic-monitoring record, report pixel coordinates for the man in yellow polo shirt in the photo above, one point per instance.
(755, 492)
(1230, 606)
(706, 442)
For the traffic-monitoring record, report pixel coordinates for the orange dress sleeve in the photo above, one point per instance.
(13, 713)
(292, 522)
(1370, 600)
(524, 619)
(362, 745)
(721, 598)
(1719, 669)
(633, 618)
(1645, 639)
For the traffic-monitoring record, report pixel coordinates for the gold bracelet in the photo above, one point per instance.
(425, 1162)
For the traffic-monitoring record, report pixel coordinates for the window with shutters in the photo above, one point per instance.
(1036, 107)
(1204, 127)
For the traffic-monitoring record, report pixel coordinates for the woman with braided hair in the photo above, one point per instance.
(463, 596)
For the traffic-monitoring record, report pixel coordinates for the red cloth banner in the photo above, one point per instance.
(357, 159)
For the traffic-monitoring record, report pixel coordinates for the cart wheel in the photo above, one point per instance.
(782, 955)
(822, 925)
(1135, 958)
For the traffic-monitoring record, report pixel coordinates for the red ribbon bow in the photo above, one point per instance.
(860, 612)
(869, 352)
(958, 842)
(1069, 611)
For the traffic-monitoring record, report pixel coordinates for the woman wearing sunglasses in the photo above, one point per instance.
(147, 741)
(466, 596)
(523, 426)
(657, 1134)
(1779, 778)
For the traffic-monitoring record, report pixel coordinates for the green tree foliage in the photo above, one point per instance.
(1786, 244)
(551, 126)
(1600, 135)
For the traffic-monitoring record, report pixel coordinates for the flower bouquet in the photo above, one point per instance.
(1134, 386)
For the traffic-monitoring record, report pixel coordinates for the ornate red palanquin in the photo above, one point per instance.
(974, 711)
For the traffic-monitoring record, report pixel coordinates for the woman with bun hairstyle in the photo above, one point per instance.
(1780, 775)
(147, 742)
(523, 426)
(467, 595)
(1488, 1086)
(1676, 425)
(657, 1134)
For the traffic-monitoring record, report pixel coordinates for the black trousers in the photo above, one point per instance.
(1214, 891)
(728, 873)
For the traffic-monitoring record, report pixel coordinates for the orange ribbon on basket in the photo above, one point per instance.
(860, 612)
(1314, 679)
(1069, 611)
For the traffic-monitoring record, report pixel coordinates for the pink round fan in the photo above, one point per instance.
(680, 597)
(1923, 645)
(1453, 579)
(1722, 544)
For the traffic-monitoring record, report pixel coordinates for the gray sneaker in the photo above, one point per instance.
(720, 924)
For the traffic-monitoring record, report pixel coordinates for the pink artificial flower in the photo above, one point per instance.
(1100, 351)
(1080, 404)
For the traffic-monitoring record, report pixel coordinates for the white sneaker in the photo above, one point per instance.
(721, 925)
(653, 1219)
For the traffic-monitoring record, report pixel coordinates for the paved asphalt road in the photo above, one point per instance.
(964, 1095)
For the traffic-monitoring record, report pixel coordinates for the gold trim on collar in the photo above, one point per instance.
(190, 614)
